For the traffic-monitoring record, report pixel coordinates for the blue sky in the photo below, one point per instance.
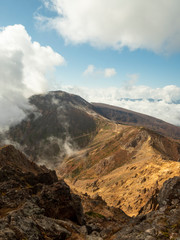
(109, 45)
(153, 69)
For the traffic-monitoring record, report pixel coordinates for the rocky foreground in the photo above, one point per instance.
(34, 204)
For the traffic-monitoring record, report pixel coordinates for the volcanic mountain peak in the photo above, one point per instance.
(59, 124)
(59, 98)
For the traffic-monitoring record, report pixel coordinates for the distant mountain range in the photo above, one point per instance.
(147, 99)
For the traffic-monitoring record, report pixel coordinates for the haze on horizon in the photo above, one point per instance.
(118, 52)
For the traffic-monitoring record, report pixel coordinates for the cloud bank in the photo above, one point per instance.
(162, 103)
(93, 72)
(24, 66)
(152, 25)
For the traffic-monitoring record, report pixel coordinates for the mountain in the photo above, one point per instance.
(62, 123)
(124, 116)
(112, 180)
(36, 205)
(59, 123)
(123, 164)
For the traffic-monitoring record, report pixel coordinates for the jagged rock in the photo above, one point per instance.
(37, 206)
(28, 222)
(152, 203)
(163, 222)
(33, 200)
(170, 193)
(59, 203)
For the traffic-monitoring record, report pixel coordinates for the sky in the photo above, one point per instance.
(121, 52)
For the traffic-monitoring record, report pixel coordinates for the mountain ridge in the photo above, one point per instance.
(118, 164)
(125, 116)
(61, 123)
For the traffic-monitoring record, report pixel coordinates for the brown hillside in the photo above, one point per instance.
(124, 116)
(124, 165)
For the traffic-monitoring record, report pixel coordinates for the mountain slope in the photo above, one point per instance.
(124, 116)
(124, 165)
(60, 123)
(34, 204)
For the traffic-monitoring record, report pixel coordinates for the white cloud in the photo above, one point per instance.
(93, 72)
(153, 25)
(109, 72)
(162, 103)
(89, 70)
(24, 66)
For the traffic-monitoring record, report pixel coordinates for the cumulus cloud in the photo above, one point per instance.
(162, 103)
(24, 66)
(93, 72)
(153, 25)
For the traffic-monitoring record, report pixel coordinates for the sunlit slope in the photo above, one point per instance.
(123, 164)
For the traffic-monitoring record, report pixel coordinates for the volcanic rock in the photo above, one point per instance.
(34, 204)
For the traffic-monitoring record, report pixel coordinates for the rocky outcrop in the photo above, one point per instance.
(170, 193)
(163, 223)
(60, 204)
(34, 204)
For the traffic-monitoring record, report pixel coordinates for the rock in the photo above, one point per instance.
(151, 231)
(59, 203)
(93, 238)
(169, 192)
(150, 238)
(84, 230)
(159, 223)
(33, 202)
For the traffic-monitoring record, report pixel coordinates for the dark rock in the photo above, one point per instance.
(170, 192)
(59, 203)
(32, 202)
(163, 219)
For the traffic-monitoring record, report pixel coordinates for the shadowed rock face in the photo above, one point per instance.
(59, 203)
(33, 202)
(170, 193)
